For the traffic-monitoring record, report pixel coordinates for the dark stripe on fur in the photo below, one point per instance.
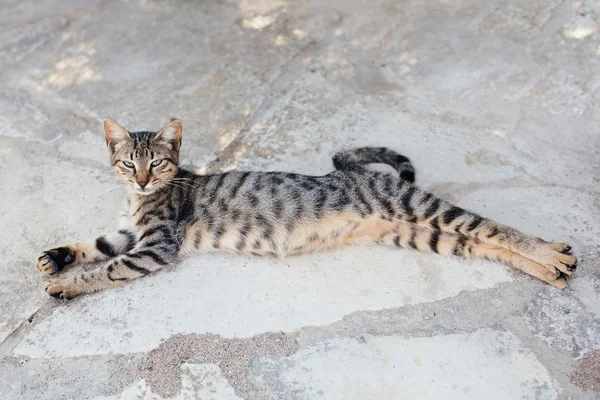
(432, 209)
(493, 232)
(110, 269)
(433, 241)
(105, 247)
(411, 241)
(435, 223)
(217, 238)
(460, 245)
(475, 223)
(451, 214)
(406, 199)
(135, 268)
(149, 253)
(239, 184)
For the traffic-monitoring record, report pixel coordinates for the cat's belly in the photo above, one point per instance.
(332, 230)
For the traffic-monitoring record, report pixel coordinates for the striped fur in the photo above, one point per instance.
(277, 214)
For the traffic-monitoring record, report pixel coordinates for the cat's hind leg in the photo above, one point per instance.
(414, 236)
(554, 256)
(430, 211)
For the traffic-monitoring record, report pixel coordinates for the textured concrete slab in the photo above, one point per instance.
(35, 197)
(396, 367)
(261, 295)
(563, 324)
(199, 381)
(495, 102)
(200, 73)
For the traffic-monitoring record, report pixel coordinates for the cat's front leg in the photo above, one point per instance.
(132, 265)
(105, 247)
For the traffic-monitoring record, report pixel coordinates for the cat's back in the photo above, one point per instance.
(276, 198)
(276, 192)
(262, 191)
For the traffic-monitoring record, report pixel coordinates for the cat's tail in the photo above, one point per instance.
(357, 158)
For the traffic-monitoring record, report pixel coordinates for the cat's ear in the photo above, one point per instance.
(115, 133)
(170, 135)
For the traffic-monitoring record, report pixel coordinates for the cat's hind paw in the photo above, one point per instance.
(559, 256)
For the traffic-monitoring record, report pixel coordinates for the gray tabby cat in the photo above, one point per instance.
(171, 212)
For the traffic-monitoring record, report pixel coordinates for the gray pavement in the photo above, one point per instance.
(495, 102)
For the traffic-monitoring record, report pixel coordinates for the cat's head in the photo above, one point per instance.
(145, 160)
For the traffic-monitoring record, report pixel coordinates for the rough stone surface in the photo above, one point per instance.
(495, 102)
(587, 372)
(198, 381)
(563, 324)
(395, 367)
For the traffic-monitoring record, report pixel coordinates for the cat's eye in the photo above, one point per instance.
(156, 163)
(128, 164)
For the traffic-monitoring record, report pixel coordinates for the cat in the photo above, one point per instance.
(172, 212)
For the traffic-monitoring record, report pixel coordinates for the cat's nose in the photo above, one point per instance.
(142, 183)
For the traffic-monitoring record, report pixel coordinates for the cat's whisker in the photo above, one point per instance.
(177, 182)
(176, 185)
(182, 181)
(169, 185)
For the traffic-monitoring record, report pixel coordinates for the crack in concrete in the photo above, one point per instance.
(19, 333)
(288, 73)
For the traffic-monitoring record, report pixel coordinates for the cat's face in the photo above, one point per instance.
(145, 160)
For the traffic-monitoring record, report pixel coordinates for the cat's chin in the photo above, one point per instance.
(143, 192)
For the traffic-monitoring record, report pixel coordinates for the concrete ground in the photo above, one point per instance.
(495, 102)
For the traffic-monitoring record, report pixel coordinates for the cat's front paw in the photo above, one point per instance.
(52, 261)
(64, 288)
